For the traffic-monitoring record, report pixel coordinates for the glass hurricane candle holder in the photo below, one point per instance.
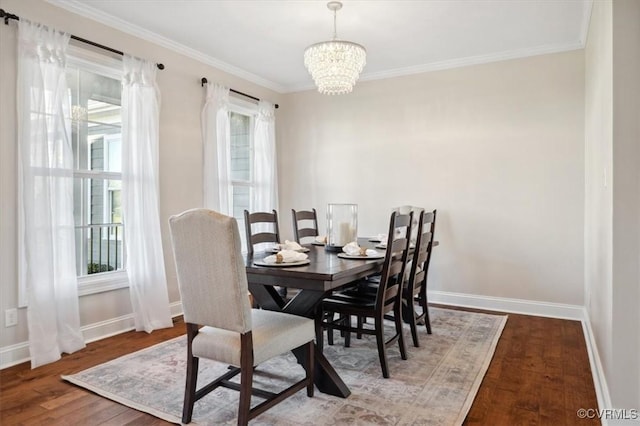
(342, 225)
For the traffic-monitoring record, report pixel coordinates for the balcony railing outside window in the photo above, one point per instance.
(103, 248)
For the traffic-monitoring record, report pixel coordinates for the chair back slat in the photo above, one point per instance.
(210, 268)
(419, 280)
(306, 232)
(262, 237)
(305, 214)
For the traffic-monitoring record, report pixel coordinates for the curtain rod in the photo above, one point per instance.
(204, 81)
(7, 16)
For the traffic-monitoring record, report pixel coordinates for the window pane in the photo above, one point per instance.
(96, 117)
(99, 228)
(240, 146)
(101, 247)
(96, 137)
(240, 203)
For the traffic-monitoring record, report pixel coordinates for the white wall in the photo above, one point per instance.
(625, 391)
(598, 177)
(612, 208)
(496, 148)
(180, 147)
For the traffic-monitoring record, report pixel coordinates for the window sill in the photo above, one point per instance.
(100, 283)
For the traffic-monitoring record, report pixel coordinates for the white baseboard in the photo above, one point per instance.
(14, 354)
(19, 352)
(597, 371)
(541, 309)
(503, 304)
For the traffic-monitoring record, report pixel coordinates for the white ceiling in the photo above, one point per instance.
(264, 40)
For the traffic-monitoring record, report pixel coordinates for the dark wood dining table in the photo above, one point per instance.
(325, 272)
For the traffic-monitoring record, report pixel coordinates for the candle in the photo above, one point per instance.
(344, 234)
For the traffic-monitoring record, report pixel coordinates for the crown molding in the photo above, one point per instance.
(83, 9)
(458, 63)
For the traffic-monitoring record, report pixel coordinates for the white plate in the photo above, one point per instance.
(282, 265)
(302, 250)
(357, 256)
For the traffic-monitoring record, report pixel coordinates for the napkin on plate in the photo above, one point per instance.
(289, 245)
(321, 239)
(286, 256)
(353, 249)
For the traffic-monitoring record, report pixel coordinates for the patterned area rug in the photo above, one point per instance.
(435, 386)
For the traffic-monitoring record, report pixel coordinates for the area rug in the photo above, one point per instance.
(435, 386)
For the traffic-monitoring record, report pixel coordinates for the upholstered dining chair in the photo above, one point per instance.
(387, 297)
(303, 230)
(220, 322)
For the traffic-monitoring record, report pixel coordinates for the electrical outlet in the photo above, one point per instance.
(10, 317)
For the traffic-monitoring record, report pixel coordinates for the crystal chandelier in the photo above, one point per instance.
(335, 65)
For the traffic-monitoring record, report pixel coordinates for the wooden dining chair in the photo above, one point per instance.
(304, 230)
(415, 286)
(387, 298)
(415, 279)
(220, 323)
(261, 227)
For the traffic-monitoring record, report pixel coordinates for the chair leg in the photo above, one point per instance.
(310, 348)
(398, 320)
(319, 331)
(329, 330)
(246, 379)
(347, 334)
(190, 387)
(382, 349)
(411, 314)
(425, 309)
(360, 322)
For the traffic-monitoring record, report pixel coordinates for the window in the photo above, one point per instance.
(241, 154)
(95, 91)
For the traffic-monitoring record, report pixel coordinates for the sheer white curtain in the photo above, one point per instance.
(140, 200)
(47, 245)
(265, 196)
(216, 135)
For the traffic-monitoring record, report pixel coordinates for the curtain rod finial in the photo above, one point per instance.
(7, 16)
(203, 81)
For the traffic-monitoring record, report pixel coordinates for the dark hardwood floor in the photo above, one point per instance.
(539, 375)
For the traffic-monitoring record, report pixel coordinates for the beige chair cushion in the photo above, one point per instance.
(274, 333)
